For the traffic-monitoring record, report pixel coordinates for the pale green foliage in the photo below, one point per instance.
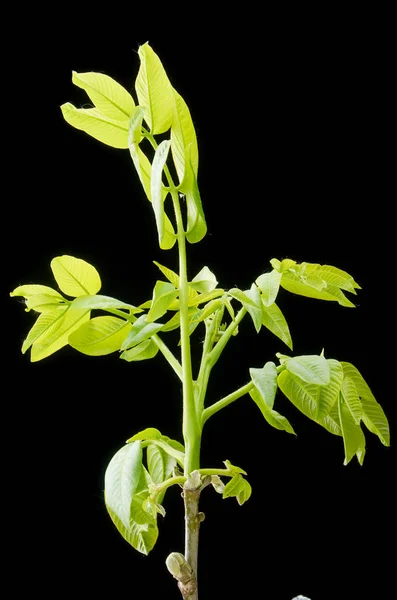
(331, 393)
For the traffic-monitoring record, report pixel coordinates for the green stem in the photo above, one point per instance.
(217, 406)
(217, 351)
(166, 352)
(191, 428)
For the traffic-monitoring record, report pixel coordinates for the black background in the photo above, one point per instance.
(293, 129)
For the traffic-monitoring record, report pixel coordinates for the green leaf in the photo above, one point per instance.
(310, 368)
(144, 170)
(170, 275)
(307, 397)
(154, 91)
(183, 140)
(140, 537)
(208, 310)
(334, 277)
(109, 97)
(353, 437)
(244, 493)
(351, 399)
(51, 331)
(237, 487)
(272, 416)
(282, 266)
(160, 463)
(327, 395)
(146, 434)
(164, 294)
(140, 331)
(99, 302)
(265, 381)
(100, 336)
(199, 299)
(92, 121)
(27, 291)
(196, 224)
(269, 284)
(75, 276)
(251, 300)
(143, 351)
(235, 470)
(157, 188)
(173, 323)
(274, 320)
(204, 282)
(373, 416)
(44, 302)
(138, 513)
(313, 287)
(122, 477)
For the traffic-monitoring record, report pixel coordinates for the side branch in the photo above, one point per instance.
(217, 406)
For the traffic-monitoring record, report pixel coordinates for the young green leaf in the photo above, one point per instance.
(154, 91)
(140, 331)
(234, 470)
(100, 336)
(269, 284)
(306, 397)
(265, 381)
(372, 413)
(351, 399)
(109, 97)
(170, 275)
(254, 307)
(196, 224)
(311, 368)
(139, 514)
(239, 488)
(313, 287)
(92, 121)
(160, 463)
(102, 303)
(51, 331)
(353, 437)
(141, 537)
(272, 416)
(204, 282)
(144, 170)
(75, 276)
(157, 188)
(146, 434)
(274, 320)
(143, 351)
(44, 302)
(183, 140)
(208, 310)
(27, 291)
(282, 266)
(164, 294)
(173, 323)
(122, 477)
(331, 275)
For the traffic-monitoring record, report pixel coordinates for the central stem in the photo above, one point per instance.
(191, 426)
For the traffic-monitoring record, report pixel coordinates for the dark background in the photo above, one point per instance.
(293, 129)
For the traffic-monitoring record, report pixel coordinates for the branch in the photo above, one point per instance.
(211, 410)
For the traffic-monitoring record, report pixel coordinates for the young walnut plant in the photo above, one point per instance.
(333, 394)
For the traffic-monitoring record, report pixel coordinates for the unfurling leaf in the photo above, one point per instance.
(237, 487)
(157, 191)
(265, 381)
(204, 282)
(269, 284)
(272, 416)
